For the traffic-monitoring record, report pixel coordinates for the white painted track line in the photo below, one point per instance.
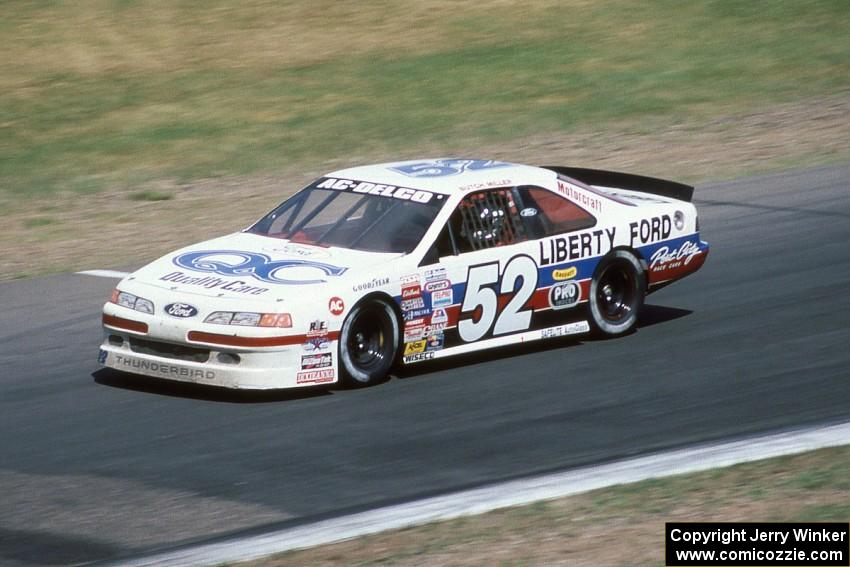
(104, 273)
(512, 493)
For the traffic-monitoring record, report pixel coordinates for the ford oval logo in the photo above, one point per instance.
(180, 310)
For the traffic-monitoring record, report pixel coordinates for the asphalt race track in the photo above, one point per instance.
(97, 465)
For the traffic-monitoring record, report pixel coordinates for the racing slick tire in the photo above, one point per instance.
(617, 291)
(368, 343)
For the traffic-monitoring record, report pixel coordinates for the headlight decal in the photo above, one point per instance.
(131, 301)
(250, 319)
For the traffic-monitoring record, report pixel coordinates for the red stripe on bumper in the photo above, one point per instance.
(231, 340)
(126, 324)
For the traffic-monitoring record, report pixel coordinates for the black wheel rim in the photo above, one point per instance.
(369, 341)
(616, 293)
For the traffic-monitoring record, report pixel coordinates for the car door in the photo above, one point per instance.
(482, 279)
(480, 275)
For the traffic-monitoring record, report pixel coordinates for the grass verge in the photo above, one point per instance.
(618, 526)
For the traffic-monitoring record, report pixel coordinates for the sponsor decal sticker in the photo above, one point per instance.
(632, 197)
(435, 274)
(439, 316)
(297, 250)
(419, 357)
(437, 285)
(403, 193)
(564, 330)
(442, 298)
(564, 295)
(436, 327)
(434, 342)
(665, 259)
(181, 310)
(412, 304)
(336, 306)
(579, 196)
(446, 167)
(561, 249)
(564, 274)
(258, 266)
(650, 230)
(101, 356)
(528, 212)
(374, 283)
(416, 313)
(314, 376)
(414, 347)
(210, 282)
(318, 328)
(317, 343)
(414, 333)
(313, 361)
(410, 292)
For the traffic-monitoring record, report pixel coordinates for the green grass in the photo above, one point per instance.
(192, 90)
(620, 525)
(37, 222)
(149, 195)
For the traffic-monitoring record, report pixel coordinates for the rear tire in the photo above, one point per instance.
(368, 343)
(617, 291)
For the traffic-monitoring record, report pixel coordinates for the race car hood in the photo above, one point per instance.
(251, 266)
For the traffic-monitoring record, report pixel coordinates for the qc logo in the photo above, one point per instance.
(258, 266)
(444, 167)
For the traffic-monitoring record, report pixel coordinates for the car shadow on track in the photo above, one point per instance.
(654, 314)
(650, 315)
(138, 383)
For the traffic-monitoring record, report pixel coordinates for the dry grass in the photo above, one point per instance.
(99, 37)
(619, 526)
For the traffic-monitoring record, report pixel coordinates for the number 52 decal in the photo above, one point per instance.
(481, 283)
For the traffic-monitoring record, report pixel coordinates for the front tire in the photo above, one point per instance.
(368, 343)
(617, 291)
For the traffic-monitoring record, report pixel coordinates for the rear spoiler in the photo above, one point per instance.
(628, 181)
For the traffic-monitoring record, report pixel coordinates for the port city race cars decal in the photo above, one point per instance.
(524, 293)
(247, 266)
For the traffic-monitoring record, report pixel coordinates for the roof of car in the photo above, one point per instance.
(447, 175)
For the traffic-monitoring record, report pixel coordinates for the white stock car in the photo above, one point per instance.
(400, 263)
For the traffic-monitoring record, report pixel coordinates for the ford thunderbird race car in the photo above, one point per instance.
(399, 263)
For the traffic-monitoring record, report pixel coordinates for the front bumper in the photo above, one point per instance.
(158, 349)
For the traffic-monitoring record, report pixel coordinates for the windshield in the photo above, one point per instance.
(353, 214)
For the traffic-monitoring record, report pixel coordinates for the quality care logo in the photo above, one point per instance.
(258, 266)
